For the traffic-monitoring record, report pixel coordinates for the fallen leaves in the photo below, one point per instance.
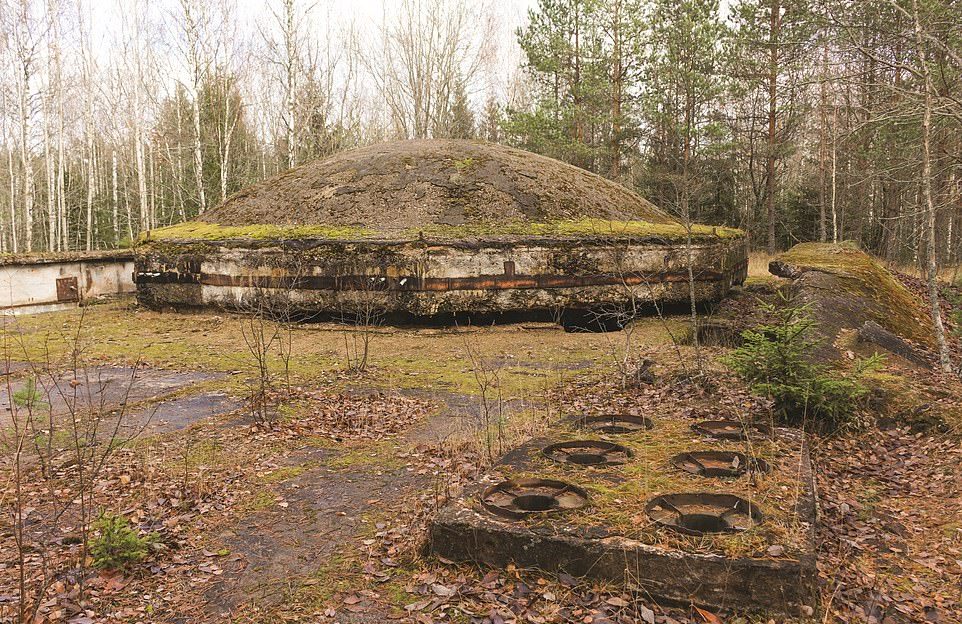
(887, 498)
(348, 416)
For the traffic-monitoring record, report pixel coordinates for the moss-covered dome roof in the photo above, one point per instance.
(405, 185)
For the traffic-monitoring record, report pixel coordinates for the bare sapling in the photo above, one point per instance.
(261, 335)
(361, 313)
(66, 424)
(491, 417)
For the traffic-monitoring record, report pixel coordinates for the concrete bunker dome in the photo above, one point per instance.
(434, 227)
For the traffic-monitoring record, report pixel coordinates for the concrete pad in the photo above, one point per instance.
(768, 567)
(324, 508)
(98, 387)
(181, 412)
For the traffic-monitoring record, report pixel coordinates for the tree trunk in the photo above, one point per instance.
(823, 105)
(931, 245)
(113, 199)
(773, 36)
(26, 158)
(616, 91)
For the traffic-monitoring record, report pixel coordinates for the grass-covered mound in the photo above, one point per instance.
(847, 287)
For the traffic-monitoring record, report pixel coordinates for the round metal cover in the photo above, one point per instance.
(588, 453)
(718, 463)
(522, 498)
(703, 513)
(614, 423)
(730, 429)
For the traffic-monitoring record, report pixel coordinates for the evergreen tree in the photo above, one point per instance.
(490, 127)
(771, 62)
(460, 118)
(567, 60)
(684, 84)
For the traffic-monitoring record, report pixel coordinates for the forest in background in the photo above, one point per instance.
(794, 119)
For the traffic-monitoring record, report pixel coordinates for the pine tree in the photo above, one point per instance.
(684, 84)
(772, 59)
(567, 59)
(460, 118)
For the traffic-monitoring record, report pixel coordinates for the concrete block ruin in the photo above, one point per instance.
(426, 228)
(41, 282)
(716, 513)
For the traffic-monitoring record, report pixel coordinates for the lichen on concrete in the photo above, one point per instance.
(405, 184)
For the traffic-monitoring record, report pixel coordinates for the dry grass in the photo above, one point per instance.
(758, 265)
(619, 494)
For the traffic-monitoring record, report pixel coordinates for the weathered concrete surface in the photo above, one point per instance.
(436, 227)
(464, 531)
(404, 184)
(181, 412)
(874, 334)
(323, 509)
(36, 283)
(425, 279)
(100, 388)
(844, 288)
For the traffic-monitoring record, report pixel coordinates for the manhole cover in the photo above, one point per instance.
(718, 463)
(523, 497)
(730, 429)
(614, 423)
(587, 453)
(699, 514)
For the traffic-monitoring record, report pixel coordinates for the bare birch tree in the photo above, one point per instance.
(422, 54)
(23, 29)
(193, 24)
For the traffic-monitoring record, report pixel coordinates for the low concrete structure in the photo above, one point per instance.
(41, 282)
(437, 227)
(719, 557)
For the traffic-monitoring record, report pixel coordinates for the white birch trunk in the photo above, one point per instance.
(932, 248)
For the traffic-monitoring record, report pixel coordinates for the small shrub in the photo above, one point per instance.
(28, 396)
(118, 545)
(775, 361)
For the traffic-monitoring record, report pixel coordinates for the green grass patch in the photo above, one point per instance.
(286, 473)
(379, 454)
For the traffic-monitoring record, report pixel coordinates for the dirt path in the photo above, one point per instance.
(313, 521)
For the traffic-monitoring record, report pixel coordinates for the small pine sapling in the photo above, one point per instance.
(775, 361)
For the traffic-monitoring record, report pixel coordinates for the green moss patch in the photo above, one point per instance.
(582, 228)
(200, 230)
(890, 304)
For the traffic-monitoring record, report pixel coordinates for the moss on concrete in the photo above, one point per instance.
(581, 228)
(618, 495)
(890, 304)
(200, 230)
